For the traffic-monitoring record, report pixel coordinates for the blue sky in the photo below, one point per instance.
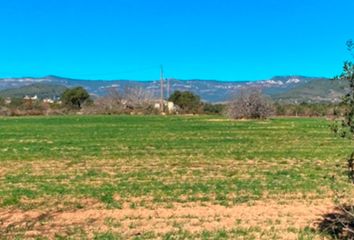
(204, 39)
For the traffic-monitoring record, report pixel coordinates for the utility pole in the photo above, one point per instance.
(168, 88)
(162, 89)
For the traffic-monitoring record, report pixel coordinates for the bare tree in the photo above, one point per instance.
(250, 105)
(111, 103)
(133, 99)
(114, 96)
(138, 98)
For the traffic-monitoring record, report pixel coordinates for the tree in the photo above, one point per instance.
(250, 105)
(341, 223)
(209, 108)
(345, 128)
(75, 97)
(114, 96)
(187, 101)
(138, 98)
(111, 103)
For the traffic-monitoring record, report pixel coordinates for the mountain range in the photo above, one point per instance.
(281, 88)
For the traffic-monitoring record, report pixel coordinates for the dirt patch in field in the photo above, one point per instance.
(191, 217)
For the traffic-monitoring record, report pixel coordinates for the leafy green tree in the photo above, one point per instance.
(209, 108)
(187, 101)
(75, 97)
(347, 124)
(341, 224)
(346, 128)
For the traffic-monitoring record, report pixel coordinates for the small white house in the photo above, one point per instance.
(169, 106)
(34, 98)
(48, 100)
(7, 100)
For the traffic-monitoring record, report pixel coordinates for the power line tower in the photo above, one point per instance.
(162, 89)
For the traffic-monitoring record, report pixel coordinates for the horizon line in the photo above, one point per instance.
(171, 78)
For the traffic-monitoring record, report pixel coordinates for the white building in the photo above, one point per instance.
(34, 98)
(169, 106)
(7, 100)
(48, 100)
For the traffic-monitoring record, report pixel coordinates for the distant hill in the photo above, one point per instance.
(322, 90)
(42, 90)
(282, 88)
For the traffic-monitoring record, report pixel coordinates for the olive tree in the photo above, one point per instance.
(75, 97)
(340, 224)
(345, 127)
(187, 101)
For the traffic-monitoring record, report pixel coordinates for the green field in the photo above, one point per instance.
(169, 177)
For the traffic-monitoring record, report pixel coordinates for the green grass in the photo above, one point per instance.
(168, 159)
(214, 157)
(165, 138)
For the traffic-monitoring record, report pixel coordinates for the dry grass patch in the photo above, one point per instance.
(189, 217)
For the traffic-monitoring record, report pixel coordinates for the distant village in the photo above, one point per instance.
(53, 100)
(169, 106)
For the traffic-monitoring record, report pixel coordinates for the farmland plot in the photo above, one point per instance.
(148, 177)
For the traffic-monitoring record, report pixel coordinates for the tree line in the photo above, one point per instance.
(246, 104)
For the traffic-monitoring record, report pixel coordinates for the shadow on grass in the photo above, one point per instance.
(22, 225)
(338, 224)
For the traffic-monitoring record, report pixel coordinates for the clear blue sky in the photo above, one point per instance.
(205, 39)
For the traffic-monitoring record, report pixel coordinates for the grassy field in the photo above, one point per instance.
(148, 177)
